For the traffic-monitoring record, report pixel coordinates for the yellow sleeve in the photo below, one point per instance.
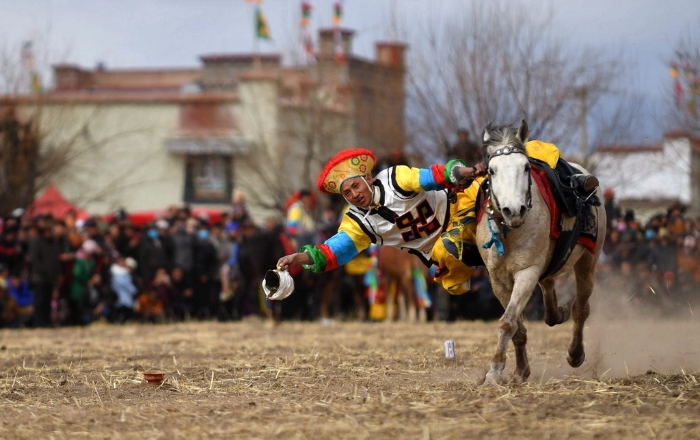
(361, 240)
(546, 152)
(408, 178)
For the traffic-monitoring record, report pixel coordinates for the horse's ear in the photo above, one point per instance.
(485, 136)
(523, 132)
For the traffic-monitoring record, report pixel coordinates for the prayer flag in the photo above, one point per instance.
(305, 14)
(262, 31)
(337, 12)
(337, 19)
(308, 44)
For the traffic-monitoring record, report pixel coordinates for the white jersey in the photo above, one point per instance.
(412, 221)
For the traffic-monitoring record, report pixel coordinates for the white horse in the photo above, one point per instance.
(525, 219)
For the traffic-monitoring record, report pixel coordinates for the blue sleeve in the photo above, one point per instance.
(343, 247)
(427, 181)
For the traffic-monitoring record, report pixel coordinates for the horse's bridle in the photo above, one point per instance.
(494, 205)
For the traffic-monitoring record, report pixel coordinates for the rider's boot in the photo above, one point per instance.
(585, 183)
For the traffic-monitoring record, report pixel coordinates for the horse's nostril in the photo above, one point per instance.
(506, 212)
(523, 210)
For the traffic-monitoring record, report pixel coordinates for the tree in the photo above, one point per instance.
(501, 62)
(19, 156)
(292, 140)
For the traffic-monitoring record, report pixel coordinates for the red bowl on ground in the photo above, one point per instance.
(154, 378)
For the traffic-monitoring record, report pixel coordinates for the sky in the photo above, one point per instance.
(174, 33)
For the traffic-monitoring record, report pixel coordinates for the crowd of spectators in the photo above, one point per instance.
(56, 272)
(655, 264)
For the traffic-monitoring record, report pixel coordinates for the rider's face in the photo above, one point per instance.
(357, 192)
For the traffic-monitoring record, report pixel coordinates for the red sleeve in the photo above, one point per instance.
(438, 172)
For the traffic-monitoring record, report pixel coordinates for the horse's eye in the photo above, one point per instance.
(491, 172)
(527, 168)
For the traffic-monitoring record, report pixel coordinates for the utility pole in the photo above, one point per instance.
(582, 94)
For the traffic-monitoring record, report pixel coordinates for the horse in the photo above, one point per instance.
(524, 228)
(396, 267)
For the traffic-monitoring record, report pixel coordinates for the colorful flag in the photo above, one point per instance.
(305, 14)
(337, 19)
(262, 31)
(337, 12)
(308, 44)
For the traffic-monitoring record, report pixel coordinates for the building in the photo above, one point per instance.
(146, 139)
(650, 178)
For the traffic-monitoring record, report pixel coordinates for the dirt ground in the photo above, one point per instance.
(347, 380)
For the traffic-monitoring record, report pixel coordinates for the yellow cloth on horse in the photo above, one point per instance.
(546, 152)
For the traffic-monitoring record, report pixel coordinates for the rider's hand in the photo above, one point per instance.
(293, 260)
(480, 169)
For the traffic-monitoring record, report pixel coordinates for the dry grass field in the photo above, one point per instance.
(347, 380)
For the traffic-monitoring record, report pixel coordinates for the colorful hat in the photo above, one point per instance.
(345, 165)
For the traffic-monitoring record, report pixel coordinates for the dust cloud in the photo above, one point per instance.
(626, 336)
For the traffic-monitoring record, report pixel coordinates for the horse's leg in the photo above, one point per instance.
(408, 291)
(390, 298)
(580, 309)
(524, 284)
(522, 366)
(553, 313)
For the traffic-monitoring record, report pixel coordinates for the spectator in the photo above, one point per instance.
(83, 270)
(167, 294)
(124, 288)
(300, 225)
(11, 253)
(184, 291)
(9, 310)
(149, 308)
(239, 212)
(18, 288)
(205, 266)
(230, 270)
(155, 251)
(45, 253)
(184, 240)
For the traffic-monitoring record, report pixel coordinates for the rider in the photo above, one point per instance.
(408, 208)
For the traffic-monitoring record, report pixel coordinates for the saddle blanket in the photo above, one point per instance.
(561, 222)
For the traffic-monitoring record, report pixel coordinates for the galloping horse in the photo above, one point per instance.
(524, 225)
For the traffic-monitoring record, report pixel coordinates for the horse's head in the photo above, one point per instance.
(509, 172)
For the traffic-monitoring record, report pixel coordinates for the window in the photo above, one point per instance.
(208, 179)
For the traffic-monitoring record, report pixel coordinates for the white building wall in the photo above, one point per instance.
(115, 154)
(648, 175)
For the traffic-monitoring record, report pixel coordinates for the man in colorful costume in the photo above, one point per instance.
(408, 208)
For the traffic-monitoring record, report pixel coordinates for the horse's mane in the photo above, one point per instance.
(501, 136)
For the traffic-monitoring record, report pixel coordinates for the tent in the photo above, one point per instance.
(52, 202)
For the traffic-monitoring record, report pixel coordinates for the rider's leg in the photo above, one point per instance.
(449, 250)
(581, 183)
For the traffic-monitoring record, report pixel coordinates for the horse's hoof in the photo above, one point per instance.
(493, 379)
(521, 376)
(575, 363)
